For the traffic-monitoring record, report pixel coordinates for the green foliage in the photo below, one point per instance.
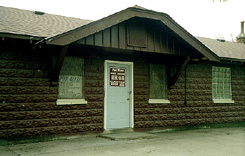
(26, 140)
(207, 126)
(220, 0)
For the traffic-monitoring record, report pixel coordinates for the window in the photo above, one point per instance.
(136, 33)
(71, 81)
(158, 84)
(221, 85)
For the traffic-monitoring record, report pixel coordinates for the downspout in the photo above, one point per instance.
(185, 85)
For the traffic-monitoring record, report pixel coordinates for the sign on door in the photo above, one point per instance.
(117, 76)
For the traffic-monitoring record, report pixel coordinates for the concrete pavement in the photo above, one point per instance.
(202, 142)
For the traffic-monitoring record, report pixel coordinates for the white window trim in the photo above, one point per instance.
(158, 101)
(71, 102)
(223, 101)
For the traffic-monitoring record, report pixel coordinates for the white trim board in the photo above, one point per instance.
(223, 101)
(158, 101)
(70, 101)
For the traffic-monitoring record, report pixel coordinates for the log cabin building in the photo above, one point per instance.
(136, 68)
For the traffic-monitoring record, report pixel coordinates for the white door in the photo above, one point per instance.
(118, 96)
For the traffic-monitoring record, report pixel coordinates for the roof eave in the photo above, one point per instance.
(20, 36)
(93, 27)
(232, 59)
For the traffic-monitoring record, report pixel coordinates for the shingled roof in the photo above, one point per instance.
(164, 20)
(18, 22)
(36, 24)
(225, 49)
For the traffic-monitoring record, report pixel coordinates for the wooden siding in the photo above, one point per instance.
(158, 39)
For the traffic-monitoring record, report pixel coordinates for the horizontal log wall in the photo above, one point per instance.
(27, 101)
(198, 108)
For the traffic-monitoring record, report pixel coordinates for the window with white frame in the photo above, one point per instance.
(221, 85)
(158, 84)
(71, 77)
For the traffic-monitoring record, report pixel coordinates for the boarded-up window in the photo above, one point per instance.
(221, 83)
(136, 35)
(158, 81)
(71, 78)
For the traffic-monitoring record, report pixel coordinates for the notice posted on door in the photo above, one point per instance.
(117, 76)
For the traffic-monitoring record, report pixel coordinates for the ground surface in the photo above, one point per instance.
(202, 142)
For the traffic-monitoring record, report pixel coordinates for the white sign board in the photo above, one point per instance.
(70, 86)
(117, 77)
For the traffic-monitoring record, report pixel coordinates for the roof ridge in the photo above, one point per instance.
(45, 13)
(217, 39)
(139, 7)
(22, 22)
(225, 50)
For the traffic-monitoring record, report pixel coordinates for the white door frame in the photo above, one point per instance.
(131, 99)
